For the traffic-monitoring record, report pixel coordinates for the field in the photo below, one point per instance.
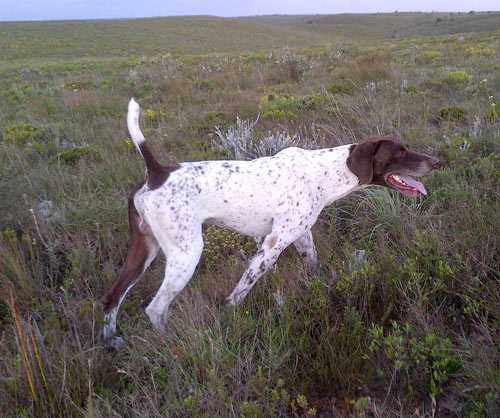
(401, 319)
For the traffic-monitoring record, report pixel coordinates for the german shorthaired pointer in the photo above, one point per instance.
(278, 198)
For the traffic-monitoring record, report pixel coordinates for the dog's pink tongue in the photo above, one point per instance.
(414, 183)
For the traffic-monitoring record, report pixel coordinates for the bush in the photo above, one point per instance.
(428, 56)
(71, 156)
(457, 79)
(79, 85)
(428, 359)
(240, 142)
(290, 66)
(255, 57)
(451, 114)
(24, 134)
(221, 244)
(214, 117)
(335, 88)
(290, 105)
(480, 51)
(152, 118)
(411, 89)
(371, 68)
(278, 114)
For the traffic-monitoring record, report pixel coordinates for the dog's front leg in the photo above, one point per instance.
(272, 246)
(305, 246)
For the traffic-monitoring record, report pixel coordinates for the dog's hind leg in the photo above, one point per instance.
(142, 250)
(140, 255)
(182, 259)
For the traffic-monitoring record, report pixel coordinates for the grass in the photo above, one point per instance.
(387, 25)
(402, 315)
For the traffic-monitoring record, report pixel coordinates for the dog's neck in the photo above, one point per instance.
(334, 177)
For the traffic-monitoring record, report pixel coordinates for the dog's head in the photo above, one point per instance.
(384, 161)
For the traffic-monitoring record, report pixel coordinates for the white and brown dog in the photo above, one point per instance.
(278, 198)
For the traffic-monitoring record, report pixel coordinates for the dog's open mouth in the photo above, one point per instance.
(406, 185)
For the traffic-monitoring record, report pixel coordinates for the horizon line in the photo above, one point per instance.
(93, 19)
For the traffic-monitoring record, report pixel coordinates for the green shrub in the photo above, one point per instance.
(8, 235)
(329, 343)
(251, 410)
(24, 134)
(192, 406)
(479, 50)
(207, 123)
(259, 57)
(202, 150)
(411, 89)
(71, 156)
(79, 85)
(221, 244)
(428, 56)
(413, 359)
(278, 114)
(215, 117)
(335, 88)
(427, 266)
(301, 408)
(457, 79)
(451, 114)
(152, 118)
(285, 106)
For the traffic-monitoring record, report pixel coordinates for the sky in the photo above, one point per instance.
(104, 9)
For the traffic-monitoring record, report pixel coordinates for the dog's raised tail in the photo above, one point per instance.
(152, 165)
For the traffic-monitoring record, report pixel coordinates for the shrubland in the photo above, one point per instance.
(402, 317)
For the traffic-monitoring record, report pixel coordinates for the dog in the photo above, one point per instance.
(278, 198)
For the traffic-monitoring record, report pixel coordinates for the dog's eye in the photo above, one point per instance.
(401, 153)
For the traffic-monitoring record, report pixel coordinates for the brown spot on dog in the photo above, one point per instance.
(374, 158)
(138, 252)
(157, 173)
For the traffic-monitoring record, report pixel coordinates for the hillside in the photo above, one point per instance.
(385, 25)
(141, 37)
(56, 41)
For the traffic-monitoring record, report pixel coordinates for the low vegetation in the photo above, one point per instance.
(401, 318)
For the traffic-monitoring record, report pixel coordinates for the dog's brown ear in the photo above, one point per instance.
(360, 160)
